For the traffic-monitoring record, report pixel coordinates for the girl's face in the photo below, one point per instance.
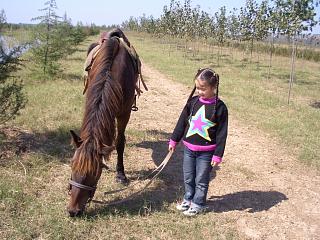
(204, 89)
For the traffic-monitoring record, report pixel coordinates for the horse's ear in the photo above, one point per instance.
(106, 150)
(76, 140)
(92, 46)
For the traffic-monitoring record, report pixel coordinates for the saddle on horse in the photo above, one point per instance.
(119, 35)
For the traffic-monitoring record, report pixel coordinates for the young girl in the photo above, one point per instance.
(203, 126)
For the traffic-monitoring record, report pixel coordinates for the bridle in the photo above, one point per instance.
(90, 189)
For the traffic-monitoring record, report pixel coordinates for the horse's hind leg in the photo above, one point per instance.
(121, 140)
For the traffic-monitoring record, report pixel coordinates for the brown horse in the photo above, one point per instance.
(110, 91)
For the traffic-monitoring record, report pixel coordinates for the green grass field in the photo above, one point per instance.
(32, 205)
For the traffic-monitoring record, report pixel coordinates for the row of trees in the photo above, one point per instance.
(252, 23)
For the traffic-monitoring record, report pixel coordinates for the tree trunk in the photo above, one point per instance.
(47, 45)
(270, 56)
(293, 56)
(169, 42)
(185, 51)
(218, 55)
(251, 50)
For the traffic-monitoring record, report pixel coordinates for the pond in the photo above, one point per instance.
(9, 44)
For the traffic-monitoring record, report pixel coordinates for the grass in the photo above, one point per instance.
(34, 207)
(248, 93)
(20, 35)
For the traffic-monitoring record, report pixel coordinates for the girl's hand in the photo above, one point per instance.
(213, 164)
(171, 148)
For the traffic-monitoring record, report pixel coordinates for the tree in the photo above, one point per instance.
(248, 16)
(65, 31)
(131, 24)
(77, 34)
(261, 23)
(253, 21)
(221, 29)
(274, 30)
(49, 47)
(3, 19)
(233, 28)
(12, 99)
(296, 16)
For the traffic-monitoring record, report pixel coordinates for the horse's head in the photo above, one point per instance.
(86, 166)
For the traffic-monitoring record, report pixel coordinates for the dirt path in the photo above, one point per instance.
(259, 185)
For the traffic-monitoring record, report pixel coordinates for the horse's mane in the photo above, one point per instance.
(103, 102)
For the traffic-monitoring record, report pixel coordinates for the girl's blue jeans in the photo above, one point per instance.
(196, 172)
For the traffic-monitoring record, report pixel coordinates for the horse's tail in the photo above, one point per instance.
(103, 103)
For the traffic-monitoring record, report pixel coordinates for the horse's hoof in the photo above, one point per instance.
(122, 179)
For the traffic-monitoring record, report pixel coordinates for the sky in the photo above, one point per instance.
(108, 12)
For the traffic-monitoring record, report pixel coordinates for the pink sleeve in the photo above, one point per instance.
(216, 159)
(172, 143)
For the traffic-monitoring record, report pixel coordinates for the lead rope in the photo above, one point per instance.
(159, 169)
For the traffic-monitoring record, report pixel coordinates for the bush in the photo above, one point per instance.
(12, 99)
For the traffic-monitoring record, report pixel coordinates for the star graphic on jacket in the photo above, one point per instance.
(200, 125)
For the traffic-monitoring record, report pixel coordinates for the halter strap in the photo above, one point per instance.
(79, 185)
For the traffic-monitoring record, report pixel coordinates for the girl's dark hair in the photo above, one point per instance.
(212, 78)
(208, 75)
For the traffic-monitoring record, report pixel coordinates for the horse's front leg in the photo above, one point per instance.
(121, 140)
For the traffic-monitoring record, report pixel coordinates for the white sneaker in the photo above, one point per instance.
(185, 205)
(192, 211)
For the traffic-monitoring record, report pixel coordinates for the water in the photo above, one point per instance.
(9, 45)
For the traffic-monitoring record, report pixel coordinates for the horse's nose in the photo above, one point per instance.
(75, 213)
(72, 214)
